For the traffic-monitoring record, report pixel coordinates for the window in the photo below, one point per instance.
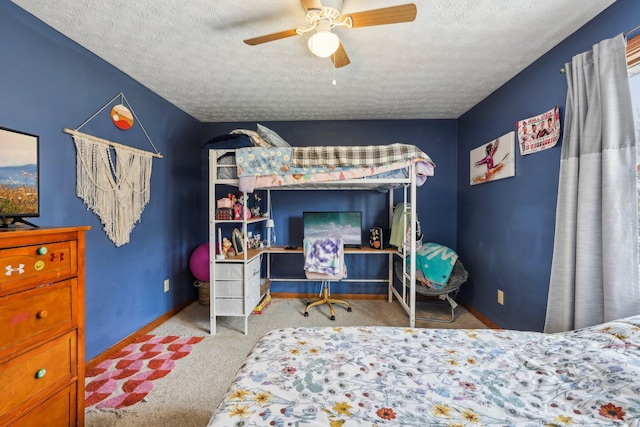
(633, 54)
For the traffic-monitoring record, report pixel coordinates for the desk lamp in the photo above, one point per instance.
(270, 227)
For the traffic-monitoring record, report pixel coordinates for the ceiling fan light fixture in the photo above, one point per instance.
(323, 43)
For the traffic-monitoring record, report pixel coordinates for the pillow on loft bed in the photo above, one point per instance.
(272, 137)
(255, 137)
(229, 141)
(240, 138)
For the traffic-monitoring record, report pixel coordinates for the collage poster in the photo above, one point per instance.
(540, 132)
(493, 160)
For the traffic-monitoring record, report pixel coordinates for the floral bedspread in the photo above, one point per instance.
(380, 376)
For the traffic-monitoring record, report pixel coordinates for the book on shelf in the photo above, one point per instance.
(262, 305)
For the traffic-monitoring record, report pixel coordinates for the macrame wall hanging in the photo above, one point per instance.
(112, 179)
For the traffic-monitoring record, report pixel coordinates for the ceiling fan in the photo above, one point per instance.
(322, 16)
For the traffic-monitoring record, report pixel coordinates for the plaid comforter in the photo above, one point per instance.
(354, 156)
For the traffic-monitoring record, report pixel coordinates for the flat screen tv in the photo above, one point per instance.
(19, 177)
(344, 224)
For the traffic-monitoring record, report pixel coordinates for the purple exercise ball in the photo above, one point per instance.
(199, 262)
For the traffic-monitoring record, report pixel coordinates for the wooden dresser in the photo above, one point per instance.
(42, 326)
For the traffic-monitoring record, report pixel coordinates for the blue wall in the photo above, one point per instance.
(436, 199)
(49, 83)
(502, 230)
(506, 228)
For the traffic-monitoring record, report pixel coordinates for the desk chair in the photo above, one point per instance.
(313, 246)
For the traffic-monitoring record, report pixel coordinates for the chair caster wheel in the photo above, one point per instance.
(349, 309)
(306, 314)
(332, 318)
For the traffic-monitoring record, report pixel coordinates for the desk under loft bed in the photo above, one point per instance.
(234, 288)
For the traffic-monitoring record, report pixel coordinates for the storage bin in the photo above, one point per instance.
(224, 203)
(203, 292)
(223, 214)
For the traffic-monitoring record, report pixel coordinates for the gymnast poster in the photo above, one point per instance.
(494, 160)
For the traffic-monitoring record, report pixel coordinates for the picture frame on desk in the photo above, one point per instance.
(375, 238)
(238, 241)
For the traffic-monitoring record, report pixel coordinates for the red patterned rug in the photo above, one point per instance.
(128, 377)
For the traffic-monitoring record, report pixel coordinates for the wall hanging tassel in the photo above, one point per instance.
(113, 180)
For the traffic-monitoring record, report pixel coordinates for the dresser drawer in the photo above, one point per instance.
(58, 411)
(27, 266)
(229, 306)
(235, 288)
(229, 288)
(253, 299)
(253, 268)
(235, 270)
(31, 373)
(27, 314)
(229, 271)
(253, 288)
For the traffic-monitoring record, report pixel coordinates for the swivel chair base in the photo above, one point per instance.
(326, 300)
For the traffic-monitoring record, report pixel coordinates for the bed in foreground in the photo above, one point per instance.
(446, 377)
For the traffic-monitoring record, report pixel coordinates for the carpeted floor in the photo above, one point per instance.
(188, 395)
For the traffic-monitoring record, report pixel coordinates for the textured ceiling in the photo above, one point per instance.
(191, 52)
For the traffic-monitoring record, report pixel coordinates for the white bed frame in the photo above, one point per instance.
(406, 294)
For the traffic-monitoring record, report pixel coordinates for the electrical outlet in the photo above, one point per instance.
(500, 297)
(166, 285)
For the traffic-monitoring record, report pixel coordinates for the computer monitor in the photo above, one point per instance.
(344, 224)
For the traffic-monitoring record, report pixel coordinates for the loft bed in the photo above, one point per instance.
(339, 167)
(380, 168)
(366, 376)
(262, 159)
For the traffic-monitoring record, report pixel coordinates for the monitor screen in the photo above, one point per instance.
(19, 185)
(347, 225)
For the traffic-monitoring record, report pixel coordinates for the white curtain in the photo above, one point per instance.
(594, 272)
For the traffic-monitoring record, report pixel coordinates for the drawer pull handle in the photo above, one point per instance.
(41, 373)
(42, 250)
(42, 314)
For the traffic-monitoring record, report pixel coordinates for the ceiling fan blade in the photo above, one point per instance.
(311, 5)
(271, 37)
(340, 58)
(387, 15)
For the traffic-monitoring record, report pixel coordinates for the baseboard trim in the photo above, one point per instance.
(131, 338)
(481, 317)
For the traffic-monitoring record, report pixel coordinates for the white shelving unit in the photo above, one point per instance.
(234, 280)
(236, 288)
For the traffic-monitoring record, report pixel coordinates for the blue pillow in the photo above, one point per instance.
(225, 142)
(255, 137)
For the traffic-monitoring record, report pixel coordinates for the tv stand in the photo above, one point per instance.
(14, 221)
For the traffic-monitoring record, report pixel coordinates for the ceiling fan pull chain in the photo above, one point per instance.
(334, 74)
(334, 70)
